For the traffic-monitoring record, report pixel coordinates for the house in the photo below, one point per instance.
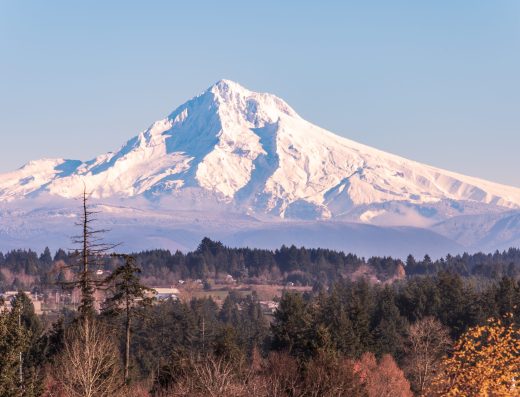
(269, 307)
(229, 278)
(166, 293)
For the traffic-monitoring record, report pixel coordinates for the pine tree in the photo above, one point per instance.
(334, 316)
(359, 308)
(226, 345)
(205, 311)
(127, 294)
(292, 327)
(46, 257)
(32, 358)
(389, 327)
(14, 342)
(245, 315)
(456, 300)
(507, 297)
(254, 327)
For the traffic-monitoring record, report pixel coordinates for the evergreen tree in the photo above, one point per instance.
(226, 345)
(61, 256)
(230, 312)
(292, 326)
(245, 315)
(45, 257)
(127, 294)
(253, 328)
(14, 343)
(389, 327)
(507, 298)
(54, 339)
(334, 316)
(33, 357)
(205, 311)
(360, 304)
(419, 298)
(458, 303)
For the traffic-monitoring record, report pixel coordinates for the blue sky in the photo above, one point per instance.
(435, 81)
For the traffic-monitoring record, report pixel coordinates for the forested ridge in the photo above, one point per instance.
(305, 266)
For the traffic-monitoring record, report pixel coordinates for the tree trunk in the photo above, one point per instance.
(127, 346)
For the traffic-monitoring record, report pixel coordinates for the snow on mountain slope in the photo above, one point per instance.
(486, 231)
(253, 150)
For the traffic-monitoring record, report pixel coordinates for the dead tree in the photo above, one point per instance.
(89, 255)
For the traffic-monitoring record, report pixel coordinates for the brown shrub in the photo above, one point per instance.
(383, 379)
(328, 375)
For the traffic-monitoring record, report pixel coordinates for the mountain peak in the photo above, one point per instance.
(227, 86)
(252, 149)
(237, 99)
(232, 153)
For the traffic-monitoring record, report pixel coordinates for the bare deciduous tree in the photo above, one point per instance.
(210, 376)
(89, 365)
(329, 375)
(428, 342)
(282, 373)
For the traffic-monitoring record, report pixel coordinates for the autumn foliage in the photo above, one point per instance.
(485, 362)
(383, 378)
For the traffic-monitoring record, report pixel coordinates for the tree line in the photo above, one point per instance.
(25, 269)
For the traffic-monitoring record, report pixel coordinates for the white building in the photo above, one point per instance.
(166, 293)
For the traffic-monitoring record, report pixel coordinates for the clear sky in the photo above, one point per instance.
(435, 81)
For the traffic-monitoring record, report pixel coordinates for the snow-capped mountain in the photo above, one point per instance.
(250, 154)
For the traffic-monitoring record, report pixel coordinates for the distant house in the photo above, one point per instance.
(166, 293)
(269, 307)
(229, 278)
(36, 301)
